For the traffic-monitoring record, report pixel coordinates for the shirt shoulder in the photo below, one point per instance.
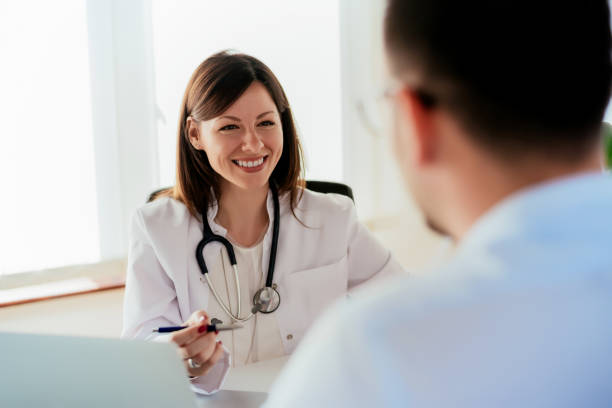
(408, 299)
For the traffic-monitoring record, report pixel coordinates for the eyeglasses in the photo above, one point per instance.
(377, 113)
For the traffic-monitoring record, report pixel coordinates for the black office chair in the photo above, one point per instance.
(314, 185)
(155, 193)
(330, 187)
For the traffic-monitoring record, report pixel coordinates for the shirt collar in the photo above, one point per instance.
(545, 207)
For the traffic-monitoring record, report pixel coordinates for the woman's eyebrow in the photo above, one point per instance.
(238, 119)
(230, 117)
(264, 114)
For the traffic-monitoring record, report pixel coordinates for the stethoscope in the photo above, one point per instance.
(266, 299)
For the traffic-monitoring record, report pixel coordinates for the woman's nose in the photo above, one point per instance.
(251, 141)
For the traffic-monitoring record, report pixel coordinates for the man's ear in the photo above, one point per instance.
(193, 132)
(420, 114)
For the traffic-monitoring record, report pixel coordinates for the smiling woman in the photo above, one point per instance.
(239, 202)
(234, 109)
(242, 148)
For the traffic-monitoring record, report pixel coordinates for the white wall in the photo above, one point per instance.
(369, 166)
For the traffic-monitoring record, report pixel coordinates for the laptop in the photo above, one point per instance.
(60, 371)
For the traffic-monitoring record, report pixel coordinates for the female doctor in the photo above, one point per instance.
(238, 239)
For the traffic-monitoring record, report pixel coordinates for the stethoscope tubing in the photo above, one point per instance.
(209, 237)
(275, 228)
(225, 309)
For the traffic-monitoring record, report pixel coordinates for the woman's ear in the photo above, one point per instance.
(193, 132)
(421, 116)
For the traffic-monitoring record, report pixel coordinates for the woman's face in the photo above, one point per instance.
(245, 142)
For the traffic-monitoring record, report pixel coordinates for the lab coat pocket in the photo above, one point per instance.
(306, 294)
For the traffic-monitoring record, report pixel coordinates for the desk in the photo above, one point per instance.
(245, 386)
(254, 377)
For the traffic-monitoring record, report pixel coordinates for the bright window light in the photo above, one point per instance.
(48, 212)
(299, 41)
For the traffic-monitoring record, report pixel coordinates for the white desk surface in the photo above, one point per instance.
(245, 386)
(254, 377)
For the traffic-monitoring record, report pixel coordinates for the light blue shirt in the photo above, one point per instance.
(520, 317)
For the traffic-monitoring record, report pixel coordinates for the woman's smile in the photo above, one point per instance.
(251, 165)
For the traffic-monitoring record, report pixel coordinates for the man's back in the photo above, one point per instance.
(522, 316)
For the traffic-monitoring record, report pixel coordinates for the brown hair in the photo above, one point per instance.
(214, 86)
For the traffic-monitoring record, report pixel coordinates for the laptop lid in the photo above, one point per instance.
(59, 371)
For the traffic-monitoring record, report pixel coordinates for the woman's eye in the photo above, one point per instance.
(229, 127)
(266, 123)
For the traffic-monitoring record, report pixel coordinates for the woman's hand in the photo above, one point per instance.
(199, 350)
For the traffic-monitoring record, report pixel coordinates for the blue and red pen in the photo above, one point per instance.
(209, 328)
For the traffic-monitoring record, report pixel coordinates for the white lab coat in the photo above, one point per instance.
(316, 263)
(520, 317)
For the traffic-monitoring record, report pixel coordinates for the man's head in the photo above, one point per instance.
(513, 91)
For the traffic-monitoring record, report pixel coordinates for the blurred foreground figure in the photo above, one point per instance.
(498, 107)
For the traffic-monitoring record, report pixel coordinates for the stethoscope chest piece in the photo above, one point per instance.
(266, 300)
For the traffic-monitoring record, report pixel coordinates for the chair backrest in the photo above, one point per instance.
(153, 195)
(330, 187)
(314, 185)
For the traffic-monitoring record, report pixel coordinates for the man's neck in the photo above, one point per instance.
(243, 213)
(490, 184)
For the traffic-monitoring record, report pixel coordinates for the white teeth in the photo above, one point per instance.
(255, 163)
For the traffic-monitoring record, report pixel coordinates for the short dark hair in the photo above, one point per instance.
(521, 76)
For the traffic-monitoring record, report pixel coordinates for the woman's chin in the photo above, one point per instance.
(250, 183)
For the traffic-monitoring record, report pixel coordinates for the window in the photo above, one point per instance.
(48, 211)
(77, 152)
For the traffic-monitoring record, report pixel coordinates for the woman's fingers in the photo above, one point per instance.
(198, 317)
(186, 336)
(197, 325)
(207, 364)
(198, 345)
(201, 348)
